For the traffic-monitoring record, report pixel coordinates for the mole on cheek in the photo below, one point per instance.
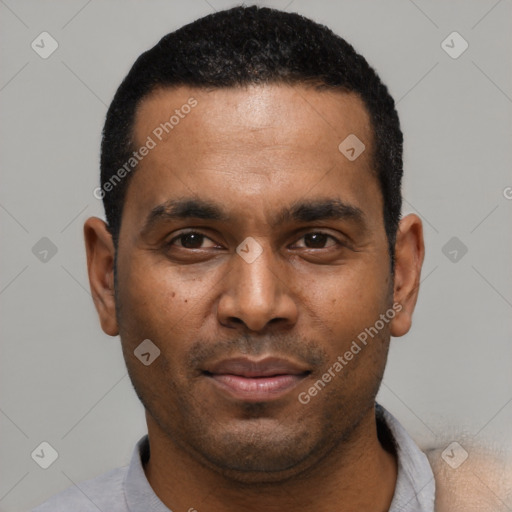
(173, 294)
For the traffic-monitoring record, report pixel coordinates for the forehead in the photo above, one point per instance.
(261, 114)
(233, 145)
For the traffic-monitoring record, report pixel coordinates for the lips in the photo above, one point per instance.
(256, 380)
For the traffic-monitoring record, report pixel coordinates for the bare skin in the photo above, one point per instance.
(316, 285)
(483, 483)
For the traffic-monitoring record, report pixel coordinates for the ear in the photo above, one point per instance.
(100, 266)
(409, 255)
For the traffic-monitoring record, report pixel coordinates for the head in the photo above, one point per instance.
(247, 231)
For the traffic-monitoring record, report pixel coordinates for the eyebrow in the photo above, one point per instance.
(300, 211)
(319, 209)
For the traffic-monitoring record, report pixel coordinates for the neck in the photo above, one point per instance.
(359, 474)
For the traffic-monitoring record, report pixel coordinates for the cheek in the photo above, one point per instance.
(151, 302)
(163, 305)
(358, 337)
(350, 300)
(153, 308)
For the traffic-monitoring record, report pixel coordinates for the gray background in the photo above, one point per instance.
(63, 380)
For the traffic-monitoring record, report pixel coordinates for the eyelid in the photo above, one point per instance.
(338, 241)
(298, 236)
(188, 231)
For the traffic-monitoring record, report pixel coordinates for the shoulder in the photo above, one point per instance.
(104, 492)
(470, 478)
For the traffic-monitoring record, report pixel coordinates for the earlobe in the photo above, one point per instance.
(409, 255)
(100, 266)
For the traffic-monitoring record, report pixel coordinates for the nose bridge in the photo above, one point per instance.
(255, 293)
(255, 282)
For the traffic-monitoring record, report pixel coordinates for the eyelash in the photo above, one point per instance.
(170, 243)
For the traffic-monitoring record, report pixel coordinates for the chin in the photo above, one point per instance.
(258, 454)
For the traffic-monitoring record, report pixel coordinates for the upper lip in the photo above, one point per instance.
(246, 367)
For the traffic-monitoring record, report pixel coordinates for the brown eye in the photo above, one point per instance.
(317, 240)
(190, 240)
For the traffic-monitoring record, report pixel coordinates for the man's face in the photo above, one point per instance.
(241, 338)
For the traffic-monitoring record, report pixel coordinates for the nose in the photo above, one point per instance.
(256, 294)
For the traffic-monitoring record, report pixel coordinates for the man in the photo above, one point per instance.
(255, 265)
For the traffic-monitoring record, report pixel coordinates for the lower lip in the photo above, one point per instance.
(256, 389)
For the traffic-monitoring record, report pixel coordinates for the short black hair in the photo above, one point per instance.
(243, 46)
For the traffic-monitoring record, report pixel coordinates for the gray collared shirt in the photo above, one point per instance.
(127, 489)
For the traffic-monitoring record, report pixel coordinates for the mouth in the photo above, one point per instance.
(256, 381)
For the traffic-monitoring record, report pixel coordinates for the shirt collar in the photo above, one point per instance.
(415, 484)
(138, 492)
